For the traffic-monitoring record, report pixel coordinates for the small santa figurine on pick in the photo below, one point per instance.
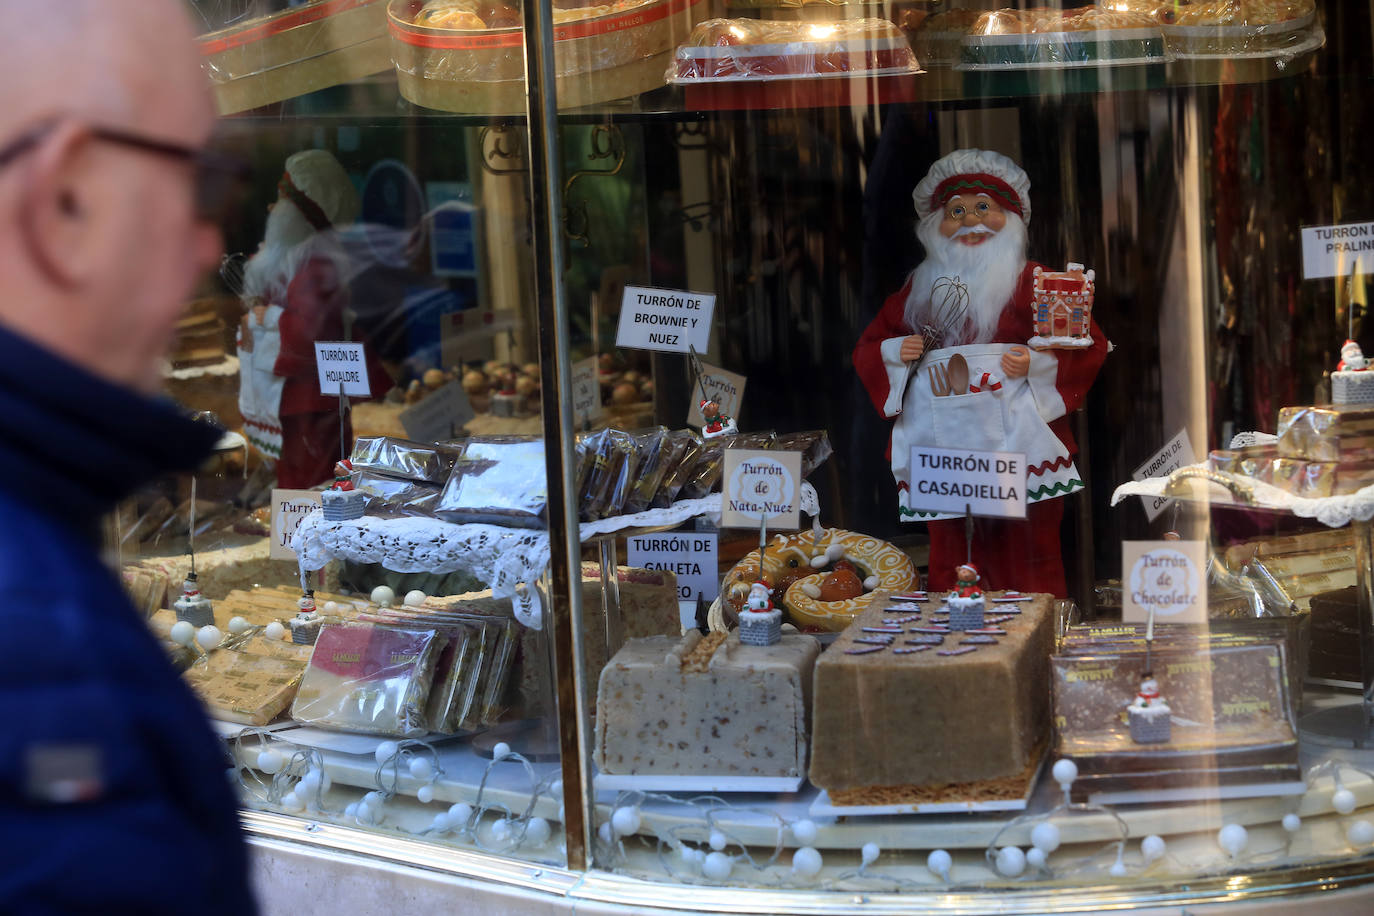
(1148, 715)
(760, 624)
(966, 581)
(343, 475)
(715, 423)
(1352, 358)
(341, 502)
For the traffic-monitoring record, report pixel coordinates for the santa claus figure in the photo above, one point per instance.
(971, 299)
(715, 423)
(759, 600)
(343, 475)
(296, 294)
(1352, 358)
(966, 581)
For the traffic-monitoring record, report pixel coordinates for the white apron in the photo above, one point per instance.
(1013, 419)
(259, 387)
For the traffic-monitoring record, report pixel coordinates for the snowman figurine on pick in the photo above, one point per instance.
(1149, 717)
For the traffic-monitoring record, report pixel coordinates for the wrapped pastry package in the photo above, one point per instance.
(1334, 433)
(500, 480)
(814, 446)
(1010, 39)
(938, 40)
(615, 456)
(654, 451)
(455, 679)
(705, 475)
(387, 495)
(685, 450)
(401, 458)
(371, 679)
(759, 49)
(1244, 28)
(247, 688)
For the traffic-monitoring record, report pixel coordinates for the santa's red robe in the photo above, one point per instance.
(313, 311)
(1010, 553)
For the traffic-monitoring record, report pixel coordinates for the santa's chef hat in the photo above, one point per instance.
(974, 171)
(318, 185)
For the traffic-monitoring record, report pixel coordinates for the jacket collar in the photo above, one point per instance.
(73, 445)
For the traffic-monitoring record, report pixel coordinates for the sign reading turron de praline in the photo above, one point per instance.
(760, 485)
(955, 481)
(665, 319)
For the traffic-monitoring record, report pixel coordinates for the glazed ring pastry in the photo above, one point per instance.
(822, 586)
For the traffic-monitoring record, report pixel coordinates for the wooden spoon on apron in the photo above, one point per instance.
(958, 374)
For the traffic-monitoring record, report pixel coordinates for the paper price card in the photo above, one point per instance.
(670, 320)
(289, 509)
(342, 363)
(726, 388)
(689, 555)
(989, 484)
(1332, 251)
(758, 484)
(439, 416)
(1176, 453)
(586, 393)
(1169, 577)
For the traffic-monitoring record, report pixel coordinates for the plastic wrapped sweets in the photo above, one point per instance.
(402, 458)
(370, 679)
(500, 480)
(757, 49)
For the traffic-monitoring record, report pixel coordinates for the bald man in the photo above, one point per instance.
(113, 790)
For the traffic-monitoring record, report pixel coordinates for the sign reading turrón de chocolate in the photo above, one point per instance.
(1168, 577)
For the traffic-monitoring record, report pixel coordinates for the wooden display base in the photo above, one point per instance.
(507, 97)
(1010, 793)
(657, 782)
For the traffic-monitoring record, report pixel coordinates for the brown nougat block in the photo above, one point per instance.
(919, 719)
(705, 707)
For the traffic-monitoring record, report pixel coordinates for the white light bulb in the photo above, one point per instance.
(383, 596)
(270, 761)
(460, 813)
(1045, 837)
(804, 831)
(1065, 772)
(1152, 848)
(717, 866)
(625, 820)
(1233, 839)
(420, 767)
(537, 831)
(1360, 833)
(425, 794)
(1036, 858)
(870, 853)
(1292, 823)
(209, 637)
(806, 862)
(1011, 861)
(1343, 800)
(717, 840)
(274, 630)
(939, 862)
(414, 598)
(238, 625)
(500, 751)
(386, 750)
(183, 633)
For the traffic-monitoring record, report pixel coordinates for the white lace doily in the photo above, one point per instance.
(225, 367)
(1332, 511)
(503, 558)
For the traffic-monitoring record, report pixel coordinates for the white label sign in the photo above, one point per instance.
(690, 556)
(289, 509)
(586, 393)
(342, 363)
(665, 319)
(1168, 576)
(1331, 251)
(760, 484)
(441, 414)
(958, 480)
(726, 388)
(1176, 453)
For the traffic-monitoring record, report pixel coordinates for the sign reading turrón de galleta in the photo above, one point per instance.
(665, 319)
(990, 484)
(760, 485)
(689, 555)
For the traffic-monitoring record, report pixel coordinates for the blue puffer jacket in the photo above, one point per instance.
(113, 789)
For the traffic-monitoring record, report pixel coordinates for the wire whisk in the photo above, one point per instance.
(949, 303)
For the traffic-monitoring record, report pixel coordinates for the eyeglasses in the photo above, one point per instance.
(219, 177)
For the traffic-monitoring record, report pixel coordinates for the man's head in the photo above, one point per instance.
(972, 207)
(100, 243)
(314, 195)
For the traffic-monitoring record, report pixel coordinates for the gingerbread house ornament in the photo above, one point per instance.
(1063, 304)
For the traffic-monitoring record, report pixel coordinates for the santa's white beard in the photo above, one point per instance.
(268, 272)
(989, 271)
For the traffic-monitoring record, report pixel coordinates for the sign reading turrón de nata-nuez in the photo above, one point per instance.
(670, 320)
(760, 485)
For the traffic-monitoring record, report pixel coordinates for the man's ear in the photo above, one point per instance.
(56, 218)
